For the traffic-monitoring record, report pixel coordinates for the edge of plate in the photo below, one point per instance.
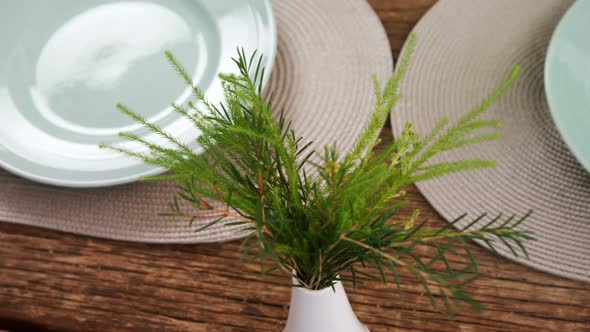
(551, 97)
(155, 170)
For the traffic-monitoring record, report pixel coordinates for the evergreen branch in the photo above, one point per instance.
(313, 215)
(385, 102)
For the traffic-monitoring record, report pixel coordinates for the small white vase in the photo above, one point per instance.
(324, 310)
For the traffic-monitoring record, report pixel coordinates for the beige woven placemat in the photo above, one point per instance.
(464, 49)
(327, 51)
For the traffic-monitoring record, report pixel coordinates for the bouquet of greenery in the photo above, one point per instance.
(314, 215)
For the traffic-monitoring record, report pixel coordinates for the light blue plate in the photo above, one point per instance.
(64, 64)
(567, 79)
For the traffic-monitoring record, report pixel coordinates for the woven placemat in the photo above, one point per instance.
(327, 51)
(464, 49)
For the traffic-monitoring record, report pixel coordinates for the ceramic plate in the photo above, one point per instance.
(567, 79)
(64, 65)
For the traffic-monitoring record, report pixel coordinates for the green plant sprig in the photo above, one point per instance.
(316, 218)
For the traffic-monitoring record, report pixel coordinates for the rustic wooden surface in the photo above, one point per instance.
(59, 282)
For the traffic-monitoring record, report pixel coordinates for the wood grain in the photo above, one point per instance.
(50, 281)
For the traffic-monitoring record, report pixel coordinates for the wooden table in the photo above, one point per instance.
(59, 282)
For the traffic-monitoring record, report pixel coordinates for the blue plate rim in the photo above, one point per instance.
(551, 98)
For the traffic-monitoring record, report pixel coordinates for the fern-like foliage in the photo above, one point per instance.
(319, 220)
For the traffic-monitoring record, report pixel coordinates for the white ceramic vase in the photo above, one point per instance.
(324, 310)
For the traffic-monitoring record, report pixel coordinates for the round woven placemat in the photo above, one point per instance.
(327, 51)
(464, 49)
